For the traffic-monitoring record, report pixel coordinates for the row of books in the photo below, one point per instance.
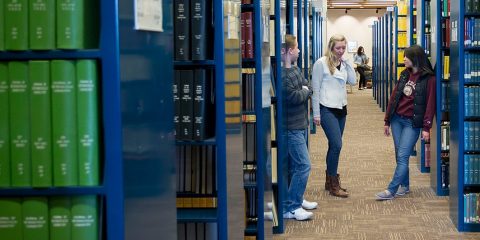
(446, 66)
(194, 103)
(402, 23)
(471, 136)
(472, 32)
(251, 197)
(445, 5)
(49, 133)
(248, 89)
(472, 169)
(428, 13)
(193, 28)
(249, 174)
(49, 24)
(444, 98)
(247, 28)
(472, 67)
(402, 40)
(471, 208)
(249, 143)
(197, 231)
(53, 218)
(196, 170)
(471, 6)
(472, 101)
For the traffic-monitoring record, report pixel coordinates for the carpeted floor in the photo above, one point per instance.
(366, 167)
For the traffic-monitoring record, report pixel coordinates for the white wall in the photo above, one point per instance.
(354, 26)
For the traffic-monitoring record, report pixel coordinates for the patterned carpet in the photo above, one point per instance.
(366, 167)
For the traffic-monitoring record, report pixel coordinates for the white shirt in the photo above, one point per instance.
(329, 90)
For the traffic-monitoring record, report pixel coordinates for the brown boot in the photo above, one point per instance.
(335, 188)
(327, 182)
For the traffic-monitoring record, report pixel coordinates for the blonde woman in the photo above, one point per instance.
(330, 75)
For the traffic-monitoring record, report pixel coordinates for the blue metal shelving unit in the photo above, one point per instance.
(457, 117)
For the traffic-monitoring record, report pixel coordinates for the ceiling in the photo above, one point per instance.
(354, 4)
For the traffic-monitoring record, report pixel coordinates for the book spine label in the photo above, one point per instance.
(19, 124)
(35, 218)
(177, 83)
(16, 24)
(70, 24)
(181, 10)
(4, 127)
(187, 105)
(64, 123)
(60, 218)
(40, 123)
(11, 218)
(87, 122)
(42, 24)
(85, 218)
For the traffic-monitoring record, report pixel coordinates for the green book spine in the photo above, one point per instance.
(35, 218)
(40, 123)
(60, 218)
(85, 218)
(19, 124)
(16, 24)
(87, 122)
(10, 218)
(2, 26)
(42, 24)
(4, 127)
(64, 126)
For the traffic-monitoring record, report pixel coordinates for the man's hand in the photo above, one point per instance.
(426, 135)
(386, 130)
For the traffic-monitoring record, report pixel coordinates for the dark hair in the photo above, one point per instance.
(419, 59)
(360, 50)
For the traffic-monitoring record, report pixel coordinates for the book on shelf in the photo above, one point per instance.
(84, 217)
(11, 218)
(87, 122)
(60, 216)
(19, 124)
(201, 25)
(41, 25)
(64, 123)
(40, 123)
(197, 230)
(247, 34)
(16, 24)
(177, 106)
(4, 127)
(186, 113)
(35, 218)
(203, 105)
(77, 24)
(181, 10)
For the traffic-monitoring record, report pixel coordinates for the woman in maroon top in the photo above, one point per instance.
(410, 111)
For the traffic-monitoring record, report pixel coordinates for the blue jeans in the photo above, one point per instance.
(299, 168)
(333, 127)
(404, 138)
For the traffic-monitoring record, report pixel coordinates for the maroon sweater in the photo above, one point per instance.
(405, 104)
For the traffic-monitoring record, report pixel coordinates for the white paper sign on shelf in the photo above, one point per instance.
(149, 15)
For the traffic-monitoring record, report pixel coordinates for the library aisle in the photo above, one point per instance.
(366, 167)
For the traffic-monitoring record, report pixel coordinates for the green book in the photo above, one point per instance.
(35, 218)
(40, 123)
(41, 24)
(85, 218)
(10, 218)
(16, 24)
(2, 26)
(77, 24)
(64, 126)
(19, 124)
(60, 218)
(4, 127)
(87, 122)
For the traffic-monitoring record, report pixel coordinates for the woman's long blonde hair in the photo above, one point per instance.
(331, 58)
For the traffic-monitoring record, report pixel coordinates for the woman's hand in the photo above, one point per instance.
(426, 135)
(386, 130)
(316, 120)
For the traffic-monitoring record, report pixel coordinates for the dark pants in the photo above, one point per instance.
(363, 80)
(333, 126)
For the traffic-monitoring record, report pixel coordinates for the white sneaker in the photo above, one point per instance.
(268, 216)
(298, 214)
(269, 205)
(309, 205)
